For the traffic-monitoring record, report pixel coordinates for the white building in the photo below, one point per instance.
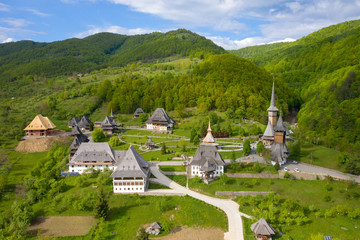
(207, 161)
(159, 121)
(131, 171)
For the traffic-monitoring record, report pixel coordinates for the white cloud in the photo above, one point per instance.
(7, 40)
(37, 12)
(221, 15)
(229, 44)
(113, 29)
(15, 22)
(281, 18)
(8, 34)
(4, 7)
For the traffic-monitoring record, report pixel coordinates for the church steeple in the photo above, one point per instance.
(272, 110)
(209, 139)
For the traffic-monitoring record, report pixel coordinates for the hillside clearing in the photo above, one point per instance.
(61, 226)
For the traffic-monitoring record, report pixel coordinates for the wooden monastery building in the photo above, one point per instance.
(262, 229)
(207, 162)
(40, 127)
(159, 121)
(84, 123)
(137, 112)
(130, 170)
(73, 122)
(276, 134)
(109, 125)
(79, 138)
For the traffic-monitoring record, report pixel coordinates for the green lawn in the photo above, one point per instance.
(321, 156)
(307, 192)
(173, 168)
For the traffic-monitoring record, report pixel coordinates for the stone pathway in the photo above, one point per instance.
(230, 207)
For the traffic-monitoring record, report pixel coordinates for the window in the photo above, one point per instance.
(72, 170)
(72, 165)
(85, 165)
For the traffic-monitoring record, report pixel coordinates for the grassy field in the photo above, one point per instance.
(319, 155)
(173, 168)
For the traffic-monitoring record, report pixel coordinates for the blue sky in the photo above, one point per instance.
(231, 24)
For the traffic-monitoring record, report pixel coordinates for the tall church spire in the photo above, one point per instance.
(272, 107)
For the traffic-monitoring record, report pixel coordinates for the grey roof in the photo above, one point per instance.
(84, 122)
(208, 166)
(150, 142)
(272, 103)
(279, 151)
(108, 122)
(74, 121)
(138, 111)
(279, 127)
(262, 227)
(209, 138)
(94, 152)
(269, 131)
(131, 165)
(76, 131)
(160, 117)
(155, 225)
(207, 153)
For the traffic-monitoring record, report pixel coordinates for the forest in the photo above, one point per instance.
(323, 68)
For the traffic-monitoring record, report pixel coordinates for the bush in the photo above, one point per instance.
(98, 135)
(114, 141)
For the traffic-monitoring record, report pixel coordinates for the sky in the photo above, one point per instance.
(232, 24)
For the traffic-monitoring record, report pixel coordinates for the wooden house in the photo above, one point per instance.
(109, 125)
(78, 140)
(73, 122)
(160, 120)
(262, 229)
(154, 228)
(84, 123)
(207, 162)
(40, 127)
(137, 112)
(130, 170)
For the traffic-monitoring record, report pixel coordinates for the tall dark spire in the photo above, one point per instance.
(272, 107)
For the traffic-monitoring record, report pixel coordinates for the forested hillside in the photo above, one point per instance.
(223, 82)
(325, 68)
(95, 52)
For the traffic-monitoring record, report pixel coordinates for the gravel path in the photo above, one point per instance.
(230, 207)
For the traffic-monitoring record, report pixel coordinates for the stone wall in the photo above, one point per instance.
(252, 175)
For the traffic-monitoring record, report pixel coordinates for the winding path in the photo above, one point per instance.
(230, 207)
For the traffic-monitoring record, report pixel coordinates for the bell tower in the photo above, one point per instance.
(272, 110)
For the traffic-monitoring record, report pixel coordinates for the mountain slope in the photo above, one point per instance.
(325, 68)
(95, 52)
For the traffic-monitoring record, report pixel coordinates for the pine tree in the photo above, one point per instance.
(101, 206)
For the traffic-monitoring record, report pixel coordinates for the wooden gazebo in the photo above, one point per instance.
(262, 229)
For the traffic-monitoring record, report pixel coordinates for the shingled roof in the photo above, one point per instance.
(138, 111)
(269, 131)
(160, 117)
(207, 154)
(132, 164)
(279, 127)
(40, 123)
(94, 152)
(279, 152)
(209, 138)
(262, 227)
(84, 122)
(73, 122)
(272, 107)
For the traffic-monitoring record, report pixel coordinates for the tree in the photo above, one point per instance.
(101, 205)
(260, 147)
(91, 126)
(196, 140)
(98, 135)
(163, 148)
(21, 217)
(142, 235)
(233, 156)
(193, 133)
(182, 144)
(114, 141)
(277, 166)
(295, 149)
(143, 117)
(246, 147)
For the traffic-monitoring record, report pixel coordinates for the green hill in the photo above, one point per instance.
(96, 52)
(325, 68)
